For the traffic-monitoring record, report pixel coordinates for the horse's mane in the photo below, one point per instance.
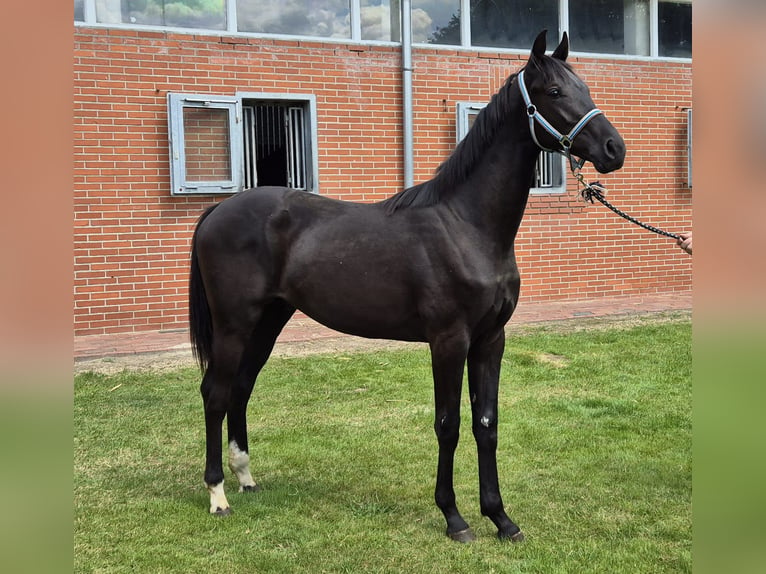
(456, 168)
(466, 155)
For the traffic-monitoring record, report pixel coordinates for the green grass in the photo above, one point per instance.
(594, 459)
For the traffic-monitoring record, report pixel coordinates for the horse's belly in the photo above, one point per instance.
(358, 302)
(366, 324)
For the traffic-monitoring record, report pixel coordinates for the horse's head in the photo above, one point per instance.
(562, 115)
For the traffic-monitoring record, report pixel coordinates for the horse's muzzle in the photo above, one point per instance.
(612, 155)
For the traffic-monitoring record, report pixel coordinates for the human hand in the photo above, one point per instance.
(685, 242)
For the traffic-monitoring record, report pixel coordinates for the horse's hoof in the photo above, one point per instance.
(518, 536)
(250, 488)
(463, 536)
(222, 511)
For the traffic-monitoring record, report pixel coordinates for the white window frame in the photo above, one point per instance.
(177, 102)
(467, 109)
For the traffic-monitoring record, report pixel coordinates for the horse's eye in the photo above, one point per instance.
(554, 92)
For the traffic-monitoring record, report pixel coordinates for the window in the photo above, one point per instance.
(380, 20)
(610, 26)
(274, 137)
(222, 144)
(320, 18)
(653, 28)
(207, 14)
(512, 23)
(436, 21)
(674, 29)
(549, 171)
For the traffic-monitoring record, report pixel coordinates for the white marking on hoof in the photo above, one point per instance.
(239, 463)
(218, 502)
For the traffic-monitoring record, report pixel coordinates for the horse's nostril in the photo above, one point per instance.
(614, 148)
(611, 148)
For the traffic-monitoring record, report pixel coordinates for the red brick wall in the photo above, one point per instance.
(132, 236)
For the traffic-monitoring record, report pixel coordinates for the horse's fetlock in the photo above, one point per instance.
(491, 505)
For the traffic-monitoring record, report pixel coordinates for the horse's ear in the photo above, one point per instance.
(562, 50)
(538, 48)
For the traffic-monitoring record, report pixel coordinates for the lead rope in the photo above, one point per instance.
(591, 190)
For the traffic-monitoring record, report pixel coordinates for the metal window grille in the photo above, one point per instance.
(544, 176)
(274, 133)
(296, 157)
(248, 123)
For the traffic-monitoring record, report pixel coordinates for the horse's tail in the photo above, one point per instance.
(200, 320)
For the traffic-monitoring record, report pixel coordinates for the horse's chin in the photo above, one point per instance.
(608, 166)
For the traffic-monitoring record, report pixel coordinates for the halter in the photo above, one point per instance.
(564, 140)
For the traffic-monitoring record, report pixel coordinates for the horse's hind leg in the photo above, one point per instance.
(257, 352)
(216, 390)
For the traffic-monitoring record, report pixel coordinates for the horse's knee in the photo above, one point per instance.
(485, 432)
(447, 429)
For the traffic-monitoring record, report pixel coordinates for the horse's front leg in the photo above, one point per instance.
(448, 361)
(484, 360)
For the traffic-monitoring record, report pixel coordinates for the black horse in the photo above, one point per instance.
(433, 263)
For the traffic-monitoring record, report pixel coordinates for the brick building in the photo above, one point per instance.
(336, 103)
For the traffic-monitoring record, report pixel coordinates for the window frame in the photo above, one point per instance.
(181, 185)
(179, 182)
(462, 123)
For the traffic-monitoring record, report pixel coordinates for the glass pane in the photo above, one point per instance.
(596, 26)
(323, 18)
(206, 145)
(79, 10)
(512, 23)
(209, 14)
(472, 119)
(675, 29)
(436, 21)
(381, 20)
(637, 25)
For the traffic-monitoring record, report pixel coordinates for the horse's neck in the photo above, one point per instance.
(494, 195)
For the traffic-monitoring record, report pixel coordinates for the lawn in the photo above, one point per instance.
(594, 459)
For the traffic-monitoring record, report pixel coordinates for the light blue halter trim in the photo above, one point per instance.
(534, 116)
